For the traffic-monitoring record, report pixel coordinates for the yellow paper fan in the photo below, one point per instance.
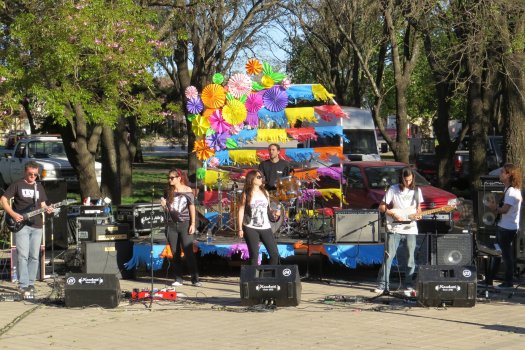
(267, 81)
(200, 125)
(234, 112)
(213, 96)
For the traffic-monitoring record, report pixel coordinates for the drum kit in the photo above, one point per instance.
(300, 219)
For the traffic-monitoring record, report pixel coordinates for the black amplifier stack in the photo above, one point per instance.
(142, 218)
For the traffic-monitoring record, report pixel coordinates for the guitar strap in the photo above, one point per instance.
(34, 197)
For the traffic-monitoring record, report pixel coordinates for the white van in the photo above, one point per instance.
(359, 129)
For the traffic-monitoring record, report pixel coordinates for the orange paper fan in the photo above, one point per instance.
(213, 96)
(253, 67)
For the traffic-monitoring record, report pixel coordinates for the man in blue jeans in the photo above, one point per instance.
(401, 205)
(27, 195)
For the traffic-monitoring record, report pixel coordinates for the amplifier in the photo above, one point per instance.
(439, 285)
(85, 226)
(279, 284)
(111, 232)
(141, 217)
(88, 210)
(357, 226)
(107, 257)
(95, 289)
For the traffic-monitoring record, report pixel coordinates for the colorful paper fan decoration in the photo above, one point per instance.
(253, 67)
(191, 92)
(194, 105)
(201, 173)
(230, 143)
(234, 112)
(202, 150)
(286, 83)
(218, 78)
(239, 84)
(235, 129)
(213, 162)
(254, 102)
(200, 125)
(218, 123)
(217, 141)
(191, 117)
(213, 96)
(267, 81)
(275, 99)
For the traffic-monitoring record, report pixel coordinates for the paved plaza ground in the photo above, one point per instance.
(332, 314)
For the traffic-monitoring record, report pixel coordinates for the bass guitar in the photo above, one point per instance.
(14, 226)
(408, 215)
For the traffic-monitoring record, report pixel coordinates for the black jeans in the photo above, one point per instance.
(252, 236)
(505, 240)
(177, 233)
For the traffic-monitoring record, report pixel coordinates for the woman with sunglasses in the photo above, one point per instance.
(254, 218)
(178, 201)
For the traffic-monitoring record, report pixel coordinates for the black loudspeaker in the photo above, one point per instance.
(85, 226)
(357, 226)
(107, 257)
(56, 191)
(452, 249)
(280, 284)
(491, 190)
(439, 285)
(95, 289)
(141, 217)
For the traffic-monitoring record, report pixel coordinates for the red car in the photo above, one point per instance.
(366, 183)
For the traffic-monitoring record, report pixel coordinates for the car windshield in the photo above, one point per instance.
(382, 176)
(40, 149)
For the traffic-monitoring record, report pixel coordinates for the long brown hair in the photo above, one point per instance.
(514, 175)
(406, 172)
(171, 188)
(248, 186)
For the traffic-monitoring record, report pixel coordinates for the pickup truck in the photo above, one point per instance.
(461, 159)
(48, 151)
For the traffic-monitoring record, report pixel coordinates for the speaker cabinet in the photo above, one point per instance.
(491, 191)
(452, 249)
(57, 225)
(280, 284)
(85, 227)
(421, 254)
(107, 257)
(357, 226)
(96, 289)
(439, 285)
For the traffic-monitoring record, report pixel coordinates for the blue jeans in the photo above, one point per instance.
(28, 241)
(393, 241)
(505, 240)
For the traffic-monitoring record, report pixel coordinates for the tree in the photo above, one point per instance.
(84, 60)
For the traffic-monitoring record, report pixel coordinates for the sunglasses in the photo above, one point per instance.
(259, 177)
(32, 174)
(172, 177)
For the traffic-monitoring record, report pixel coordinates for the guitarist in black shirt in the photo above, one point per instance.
(27, 194)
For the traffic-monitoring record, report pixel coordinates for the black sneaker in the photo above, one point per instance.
(505, 286)
(31, 289)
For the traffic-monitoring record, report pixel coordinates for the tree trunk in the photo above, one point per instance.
(122, 145)
(110, 170)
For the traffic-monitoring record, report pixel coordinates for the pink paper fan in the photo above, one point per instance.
(285, 83)
(191, 92)
(275, 99)
(254, 102)
(239, 84)
(252, 119)
(218, 123)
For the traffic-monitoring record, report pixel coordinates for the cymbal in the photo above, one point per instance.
(230, 168)
(302, 170)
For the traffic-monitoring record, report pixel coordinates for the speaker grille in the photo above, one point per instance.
(453, 249)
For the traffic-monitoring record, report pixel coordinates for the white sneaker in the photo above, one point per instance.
(177, 283)
(409, 292)
(379, 290)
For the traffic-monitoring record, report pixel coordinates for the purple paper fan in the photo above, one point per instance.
(275, 99)
(254, 102)
(194, 105)
(217, 141)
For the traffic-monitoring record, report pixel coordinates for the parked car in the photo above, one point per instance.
(12, 137)
(366, 183)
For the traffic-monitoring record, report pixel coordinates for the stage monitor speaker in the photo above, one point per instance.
(107, 257)
(94, 289)
(440, 285)
(491, 191)
(56, 191)
(357, 226)
(452, 249)
(280, 284)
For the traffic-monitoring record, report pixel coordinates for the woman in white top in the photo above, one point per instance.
(254, 218)
(508, 218)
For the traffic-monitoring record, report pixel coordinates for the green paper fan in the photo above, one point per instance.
(210, 131)
(267, 69)
(243, 98)
(230, 97)
(218, 78)
(257, 86)
(201, 173)
(191, 117)
(277, 77)
(230, 143)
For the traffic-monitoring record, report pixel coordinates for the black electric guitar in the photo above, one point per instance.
(14, 226)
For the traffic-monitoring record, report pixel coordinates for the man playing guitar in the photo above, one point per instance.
(27, 193)
(402, 206)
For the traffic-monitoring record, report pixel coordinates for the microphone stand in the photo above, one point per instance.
(151, 250)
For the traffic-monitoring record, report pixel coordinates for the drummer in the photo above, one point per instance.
(273, 168)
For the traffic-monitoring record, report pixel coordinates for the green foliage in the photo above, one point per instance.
(88, 53)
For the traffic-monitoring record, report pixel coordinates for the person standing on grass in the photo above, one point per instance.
(179, 203)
